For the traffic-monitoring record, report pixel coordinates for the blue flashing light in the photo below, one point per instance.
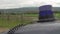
(46, 13)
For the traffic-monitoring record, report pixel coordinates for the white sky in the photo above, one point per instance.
(7, 4)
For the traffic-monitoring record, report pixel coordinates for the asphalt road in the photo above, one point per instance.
(39, 28)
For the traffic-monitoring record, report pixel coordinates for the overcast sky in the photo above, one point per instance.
(7, 4)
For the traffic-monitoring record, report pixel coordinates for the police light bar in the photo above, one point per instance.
(46, 13)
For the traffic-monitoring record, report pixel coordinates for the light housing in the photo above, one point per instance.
(46, 13)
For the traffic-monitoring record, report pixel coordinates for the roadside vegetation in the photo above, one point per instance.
(11, 20)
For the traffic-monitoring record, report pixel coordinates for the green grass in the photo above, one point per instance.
(14, 20)
(57, 15)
